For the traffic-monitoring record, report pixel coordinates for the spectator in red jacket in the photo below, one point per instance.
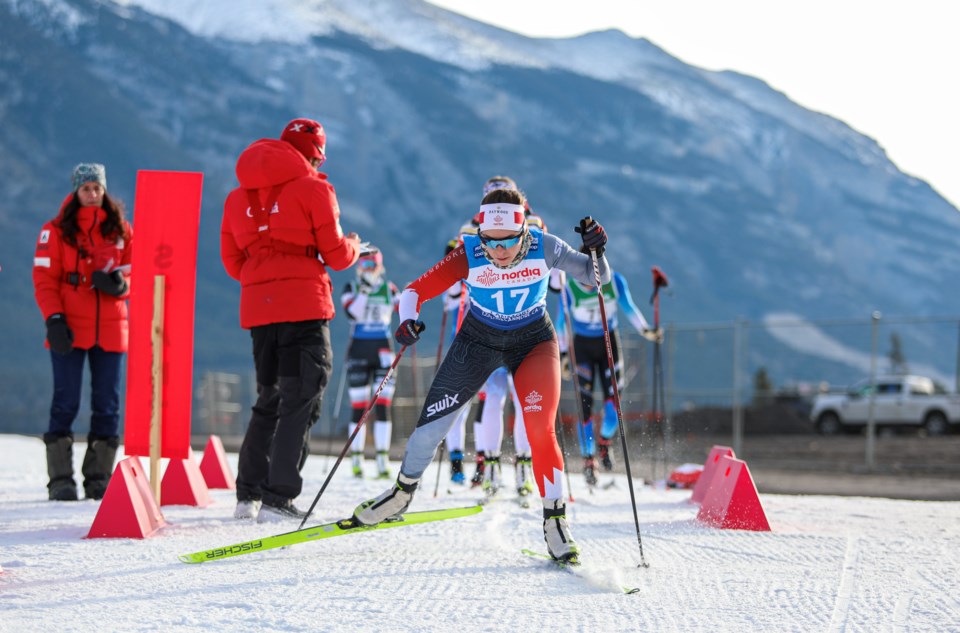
(281, 228)
(80, 277)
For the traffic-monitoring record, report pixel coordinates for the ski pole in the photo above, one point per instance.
(415, 374)
(336, 407)
(436, 485)
(616, 400)
(659, 401)
(460, 311)
(346, 447)
(574, 374)
(443, 327)
(563, 450)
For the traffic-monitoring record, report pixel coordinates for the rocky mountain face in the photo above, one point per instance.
(752, 204)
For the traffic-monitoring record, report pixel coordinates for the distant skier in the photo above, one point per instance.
(590, 350)
(507, 267)
(370, 303)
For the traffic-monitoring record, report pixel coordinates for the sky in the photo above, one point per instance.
(828, 564)
(886, 68)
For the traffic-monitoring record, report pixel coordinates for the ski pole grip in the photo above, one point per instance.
(659, 279)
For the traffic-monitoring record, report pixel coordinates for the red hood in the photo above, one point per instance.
(270, 162)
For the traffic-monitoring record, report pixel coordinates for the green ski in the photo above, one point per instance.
(327, 530)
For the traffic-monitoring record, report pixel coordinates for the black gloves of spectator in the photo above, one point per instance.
(409, 332)
(58, 334)
(112, 284)
(594, 237)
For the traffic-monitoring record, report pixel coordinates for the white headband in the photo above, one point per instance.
(501, 215)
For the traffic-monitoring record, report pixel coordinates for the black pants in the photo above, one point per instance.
(592, 363)
(366, 368)
(293, 367)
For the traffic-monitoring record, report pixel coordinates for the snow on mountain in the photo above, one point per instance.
(409, 24)
(449, 38)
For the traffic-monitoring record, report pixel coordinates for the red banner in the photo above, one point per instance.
(165, 231)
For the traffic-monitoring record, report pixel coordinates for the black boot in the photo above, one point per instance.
(605, 446)
(62, 486)
(590, 471)
(98, 465)
(456, 467)
(477, 479)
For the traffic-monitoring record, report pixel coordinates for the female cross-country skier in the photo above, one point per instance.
(370, 303)
(507, 268)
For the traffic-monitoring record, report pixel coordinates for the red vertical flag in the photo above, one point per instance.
(167, 224)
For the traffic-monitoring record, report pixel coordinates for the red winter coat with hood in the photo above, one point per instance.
(277, 286)
(95, 317)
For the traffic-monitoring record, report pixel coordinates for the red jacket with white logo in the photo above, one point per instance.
(280, 285)
(62, 274)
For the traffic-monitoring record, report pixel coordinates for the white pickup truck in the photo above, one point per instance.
(899, 400)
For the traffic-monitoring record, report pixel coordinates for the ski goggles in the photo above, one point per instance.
(506, 242)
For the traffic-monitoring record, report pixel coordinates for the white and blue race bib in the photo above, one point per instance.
(377, 315)
(507, 298)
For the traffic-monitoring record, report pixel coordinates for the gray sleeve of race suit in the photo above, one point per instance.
(559, 254)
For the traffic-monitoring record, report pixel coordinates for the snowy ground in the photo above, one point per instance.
(830, 564)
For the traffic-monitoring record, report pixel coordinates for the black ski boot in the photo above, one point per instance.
(590, 471)
(279, 510)
(98, 465)
(605, 446)
(477, 479)
(62, 486)
(456, 467)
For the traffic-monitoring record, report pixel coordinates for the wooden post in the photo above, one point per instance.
(156, 411)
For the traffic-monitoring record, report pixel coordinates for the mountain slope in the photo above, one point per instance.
(752, 204)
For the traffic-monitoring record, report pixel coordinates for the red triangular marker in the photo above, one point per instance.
(709, 470)
(183, 485)
(128, 509)
(733, 502)
(214, 467)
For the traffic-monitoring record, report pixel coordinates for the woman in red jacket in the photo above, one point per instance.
(80, 279)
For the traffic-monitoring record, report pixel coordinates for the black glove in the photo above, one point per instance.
(409, 332)
(58, 334)
(112, 284)
(594, 237)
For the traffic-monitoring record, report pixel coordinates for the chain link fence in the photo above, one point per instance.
(745, 384)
